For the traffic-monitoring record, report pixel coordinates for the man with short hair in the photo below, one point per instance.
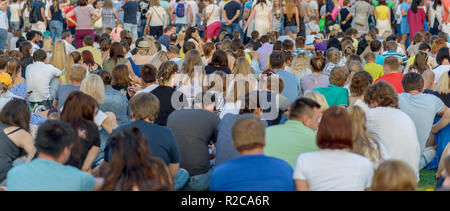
(335, 94)
(195, 131)
(295, 136)
(428, 81)
(54, 141)
(252, 170)
(88, 43)
(422, 108)
(392, 73)
(391, 47)
(148, 78)
(291, 82)
(130, 9)
(68, 39)
(375, 70)
(161, 141)
(187, 46)
(77, 74)
(38, 76)
(34, 37)
(165, 38)
(376, 47)
(232, 14)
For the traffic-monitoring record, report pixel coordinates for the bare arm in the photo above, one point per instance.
(301, 185)
(90, 157)
(441, 167)
(252, 14)
(69, 17)
(109, 124)
(43, 15)
(191, 17)
(23, 140)
(115, 13)
(270, 22)
(297, 18)
(443, 122)
(173, 168)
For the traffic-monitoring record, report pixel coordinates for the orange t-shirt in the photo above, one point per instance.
(446, 4)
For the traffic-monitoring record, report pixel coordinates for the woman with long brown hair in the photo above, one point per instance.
(291, 16)
(116, 57)
(89, 63)
(261, 12)
(17, 85)
(133, 167)
(79, 111)
(121, 80)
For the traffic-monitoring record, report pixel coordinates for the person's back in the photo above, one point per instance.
(335, 94)
(291, 82)
(224, 145)
(116, 102)
(88, 42)
(63, 92)
(393, 75)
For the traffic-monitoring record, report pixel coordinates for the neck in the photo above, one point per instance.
(49, 157)
(256, 151)
(76, 83)
(146, 120)
(414, 92)
(445, 62)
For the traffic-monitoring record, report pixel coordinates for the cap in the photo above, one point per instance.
(5, 78)
(318, 36)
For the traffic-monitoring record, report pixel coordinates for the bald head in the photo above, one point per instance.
(428, 78)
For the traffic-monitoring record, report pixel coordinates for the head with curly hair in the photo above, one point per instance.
(360, 81)
(381, 94)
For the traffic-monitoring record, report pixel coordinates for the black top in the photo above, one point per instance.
(9, 151)
(256, 44)
(444, 97)
(231, 8)
(88, 137)
(210, 69)
(291, 22)
(122, 89)
(56, 16)
(164, 95)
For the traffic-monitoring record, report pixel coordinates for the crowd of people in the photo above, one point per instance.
(230, 95)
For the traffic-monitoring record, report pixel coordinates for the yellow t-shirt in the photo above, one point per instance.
(410, 61)
(375, 70)
(382, 12)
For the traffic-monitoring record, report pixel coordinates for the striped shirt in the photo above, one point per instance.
(396, 54)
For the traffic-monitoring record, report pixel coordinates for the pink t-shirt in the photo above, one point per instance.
(83, 15)
(115, 33)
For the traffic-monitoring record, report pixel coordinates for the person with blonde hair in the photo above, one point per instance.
(73, 58)
(17, 85)
(300, 66)
(393, 175)
(77, 74)
(146, 52)
(319, 98)
(192, 72)
(58, 58)
(94, 87)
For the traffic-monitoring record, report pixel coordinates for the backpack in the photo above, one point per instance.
(180, 10)
(34, 14)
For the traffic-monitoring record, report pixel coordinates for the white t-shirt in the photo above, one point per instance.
(439, 70)
(14, 12)
(157, 13)
(215, 15)
(148, 89)
(314, 5)
(194, 8)
(334, 170)
(99, 118)
(38, 77)
(396, 130)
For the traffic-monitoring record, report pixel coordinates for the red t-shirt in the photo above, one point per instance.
(67, 10)
(395, 79)
(446, 5)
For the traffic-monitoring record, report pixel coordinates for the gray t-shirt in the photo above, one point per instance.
(63, 92)
(422, 109)
(194, 130)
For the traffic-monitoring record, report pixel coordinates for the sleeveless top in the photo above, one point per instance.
(291, 22)
(136, 68)
(9, 151)
(108, 18)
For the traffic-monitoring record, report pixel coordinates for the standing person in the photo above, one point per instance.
(361, 11)
(79, 111)
(15, 15)
(109, 15)
(130, 9)
(346, 16)
(144, 6)
(383, 17)
(71, 25)
(252, 170)
(334, 166)
(37, 16)
(261, 12)
(3, 25)
(56, 23)
(195, 130)
(393, 127)
(231, 14)
(435, 17)
(86, 17)
(182, 15)
(291, 17)
(446, 17)
(403, 28)
(48, 172)
(416, 18)
(156, 19)
(277, 17)
(212, 18)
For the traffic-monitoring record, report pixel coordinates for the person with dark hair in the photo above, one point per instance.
(251, 170)
(68, 38)
(291, 82)
(34, 37)
(85, 18)
(282, 141)
(255, 40)
(443, 61)
(165, 38)
(89, 63)
(264, 52)
(416, 18)
(148, 78)
(422, 108)
(335, 93)
(135, 171)
(38, 77)
(26, 49)
(333, 167)
(15, 137)
(219, 62)
(376, 48)
(53, 141)
(359, 82)
(88, 43)
(392, 127)
(79, 111)
(116, 57)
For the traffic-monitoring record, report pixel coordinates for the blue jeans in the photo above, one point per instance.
(15, 26)
(199, 182)
(142, 27)
(3, 38)
(428, 154)
(131, 28)
(56, 28)
(234, 27)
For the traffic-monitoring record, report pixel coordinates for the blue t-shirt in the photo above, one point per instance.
(130, 12)
(380, 59)
(63, 92)
(253, 173)
(291, 84)
(160, 139)
(38, 5)
(231, 8)
(405, 6)
(47, 175)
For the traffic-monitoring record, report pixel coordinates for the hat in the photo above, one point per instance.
(144, 44)
(5, 78)
(318, 36)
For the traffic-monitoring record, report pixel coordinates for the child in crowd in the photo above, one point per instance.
(312, 27)
(371, 67)
(335, 93)
(115, 33)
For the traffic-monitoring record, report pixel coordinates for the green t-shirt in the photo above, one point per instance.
(334, 95)
(109, 64)
(289, 140)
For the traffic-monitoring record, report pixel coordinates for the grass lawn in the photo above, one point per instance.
(427, 180)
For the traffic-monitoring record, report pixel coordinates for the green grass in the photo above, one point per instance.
(427, 180)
